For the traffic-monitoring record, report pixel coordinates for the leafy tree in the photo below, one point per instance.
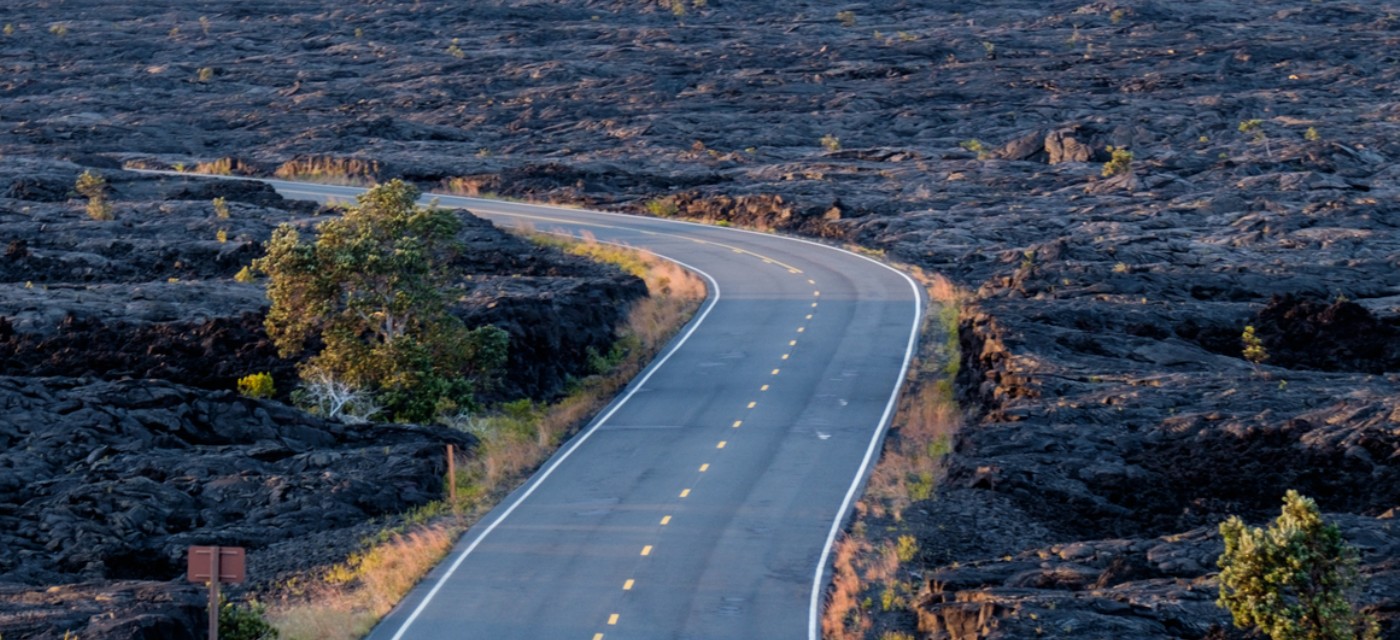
(1294, 580)
(372, 289)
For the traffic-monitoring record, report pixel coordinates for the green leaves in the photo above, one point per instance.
(371, 288)
(1294, 580)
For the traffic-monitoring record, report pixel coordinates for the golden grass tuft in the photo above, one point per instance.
(330, 170)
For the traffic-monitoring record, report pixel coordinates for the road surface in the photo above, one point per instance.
(704, 501)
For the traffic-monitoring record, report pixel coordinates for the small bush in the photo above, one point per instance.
(221, 208)
(244, 275)
(206, 74)
(1121, 162)
(1253, 350)
(244, 622)
(974, 145)
(831, 143)
(1295, 580)
(94, 188)
(847, 18)
(257, 385)
(662, 207)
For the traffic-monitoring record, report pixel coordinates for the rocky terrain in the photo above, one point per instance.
(123, 441)
(1113, 418)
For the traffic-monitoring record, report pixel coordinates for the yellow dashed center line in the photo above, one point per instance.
(597, 636)
(738, 423)
(612, 619)
(627, 586)
(811, 281)
(801, 329)
(814, 305)
(785, 356)
(646, 551)
(721, 444)
(816, 294)
(763, 388)
(775, 372)
(792, 343)
(704, 467)
(753, 404)
(684, 493)
(809, 317)
(665, 520)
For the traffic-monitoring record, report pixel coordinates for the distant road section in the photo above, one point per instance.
(704, 501)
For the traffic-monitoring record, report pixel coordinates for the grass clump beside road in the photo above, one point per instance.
(871, 587)
(345, 601)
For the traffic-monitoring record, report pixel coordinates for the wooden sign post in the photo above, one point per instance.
(216, 565)
(452, 476)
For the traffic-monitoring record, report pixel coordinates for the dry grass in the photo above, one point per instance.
(226, 167)
(868, 591)
(330, 170)
(349, 598)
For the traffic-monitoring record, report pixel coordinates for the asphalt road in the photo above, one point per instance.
(703, 502)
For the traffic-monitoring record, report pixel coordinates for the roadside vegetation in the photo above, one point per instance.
(346, 600)
(871, 587)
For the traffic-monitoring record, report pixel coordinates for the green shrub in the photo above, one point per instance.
(1294, 580)
(1253, 348)
(257, 385)
(94, 188)
(662, 207)
(1120, 162)
(831, 143)
(244, 622)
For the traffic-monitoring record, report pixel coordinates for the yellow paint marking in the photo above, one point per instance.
(597, 636)
(721, 444)
(763, 388)
(653, 233)
(816, 294)
(785, 356)
(665, 520)
(793, 271)
(646, 551)
(775, 372)
(612, 619)
(739, 251)
(738, 423)
(627, 586)
(792, 343)
(811, 281)
(684, 493)
(767, 261)
(753, 404)
(801, 329)
(814, 305)
(704, 467)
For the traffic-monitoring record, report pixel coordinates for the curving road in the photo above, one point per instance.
(704, 501)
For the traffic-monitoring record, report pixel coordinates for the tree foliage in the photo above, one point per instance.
(1294, 580)
(372, 289)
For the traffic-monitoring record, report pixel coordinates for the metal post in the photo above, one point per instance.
(451, 476)
(214, 595)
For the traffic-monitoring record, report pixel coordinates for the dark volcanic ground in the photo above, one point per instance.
(1115, 421)
(122, 440)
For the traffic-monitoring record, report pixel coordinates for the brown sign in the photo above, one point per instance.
(230, 564)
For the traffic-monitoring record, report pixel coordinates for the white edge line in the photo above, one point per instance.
(813, 630)
(876, 439)
(539, 478)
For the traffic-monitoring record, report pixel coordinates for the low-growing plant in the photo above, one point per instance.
(59, 29)
(831, 143)
(455, 50)
(257, 385)
(94, 188)
(244, 275)
(244, 621)
(662, 207)
(221, 208)
(974, 145)
(9, 29)
(206, 74)
(221, 235)
(847, 18)
(1311, 135)
(1120, 161)
(1253, 348)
